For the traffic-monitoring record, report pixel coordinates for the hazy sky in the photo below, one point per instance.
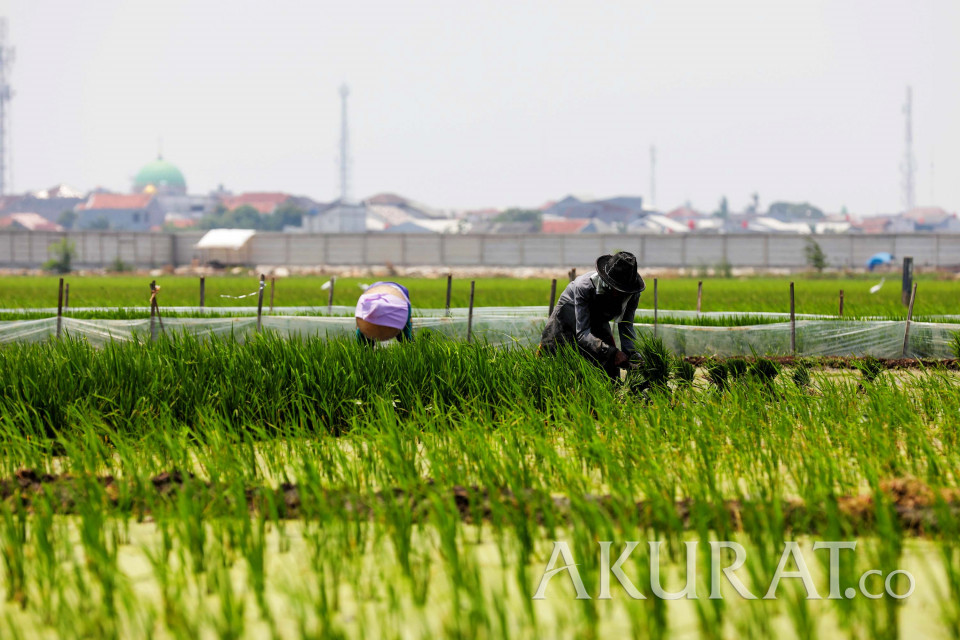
(469, 104)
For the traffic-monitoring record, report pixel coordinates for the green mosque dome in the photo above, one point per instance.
(160, 176)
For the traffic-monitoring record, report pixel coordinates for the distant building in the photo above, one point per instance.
(50, 203)
(119, 212)
(28, 222)
(337, 217)
(622, 209)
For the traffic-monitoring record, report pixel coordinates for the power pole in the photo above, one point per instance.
(6, 60)
(908, 167)
(344, 147)
(653, 176)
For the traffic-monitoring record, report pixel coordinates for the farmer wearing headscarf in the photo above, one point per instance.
(587, 306)
(384, 312)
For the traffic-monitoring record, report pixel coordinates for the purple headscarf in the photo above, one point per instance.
(383, 309)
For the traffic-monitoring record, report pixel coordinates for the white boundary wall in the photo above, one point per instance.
(29, 249)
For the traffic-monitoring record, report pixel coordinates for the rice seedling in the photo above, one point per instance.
(871, 368)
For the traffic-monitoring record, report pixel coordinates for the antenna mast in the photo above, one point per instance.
(908, 167)
(653, 176)
(6, 60)
(344, 146)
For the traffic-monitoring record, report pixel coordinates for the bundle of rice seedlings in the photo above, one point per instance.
(870, 368)
(684, 372)
(764, 370)
(736, 368)
(955, 345)
(717, 374)
(801, 374)
(653, 369)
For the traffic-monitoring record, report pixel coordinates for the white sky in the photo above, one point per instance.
(470, 104)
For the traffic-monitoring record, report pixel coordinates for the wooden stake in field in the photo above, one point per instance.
(573, 274)
(263, 282)
(333, 283)
(154, 310)
(656, 303)
(841, 303)
(793, 323)
(905, 295)
(906, 328)
(699, 296)
(273, 283)
(60, 307)
(203, 290)
(473, 284)
(449, 291)
(553, 296)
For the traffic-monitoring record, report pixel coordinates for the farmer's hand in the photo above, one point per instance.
(620, 359)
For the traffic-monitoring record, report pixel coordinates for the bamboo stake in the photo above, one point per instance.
(655, 306)
(841, 303)
(203, 290)
(333, 283)
(793, 324)
(260, 301)
(470, 312)
(449, 291)
(60, 307)
(906, 328)
(154, 310)
(553, 296)
(699, 296)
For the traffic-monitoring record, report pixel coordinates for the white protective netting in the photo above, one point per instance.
(521, 326)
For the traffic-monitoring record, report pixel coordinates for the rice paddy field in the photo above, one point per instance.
(303, 487)
(937, 294)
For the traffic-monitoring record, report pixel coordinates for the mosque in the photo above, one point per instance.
(160, 177)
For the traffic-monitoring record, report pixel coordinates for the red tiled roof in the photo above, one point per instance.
(387, 198)
(117, 201)
(264, 202)
(29, 221)
(873, 224)
(566, 225)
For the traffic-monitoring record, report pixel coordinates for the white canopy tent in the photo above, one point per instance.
(226, 246)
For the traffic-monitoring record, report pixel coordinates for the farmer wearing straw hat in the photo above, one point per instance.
(384, 312)
(587, 306)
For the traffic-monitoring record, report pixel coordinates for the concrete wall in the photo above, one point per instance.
(25, 249)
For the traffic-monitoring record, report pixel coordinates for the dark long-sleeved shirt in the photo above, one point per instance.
(583, 315)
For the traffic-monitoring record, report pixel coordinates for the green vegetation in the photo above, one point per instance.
(62, 253)
(814, 295)
(309, 489)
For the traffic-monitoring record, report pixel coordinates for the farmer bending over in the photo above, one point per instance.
(586, 307)
(384, 312)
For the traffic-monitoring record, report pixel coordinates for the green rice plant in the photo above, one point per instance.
(955, 345)
(13, 549)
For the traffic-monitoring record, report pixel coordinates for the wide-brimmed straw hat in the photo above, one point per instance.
(382, 312)
(619, 272)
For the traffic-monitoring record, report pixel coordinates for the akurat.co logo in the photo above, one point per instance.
(872, 584)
